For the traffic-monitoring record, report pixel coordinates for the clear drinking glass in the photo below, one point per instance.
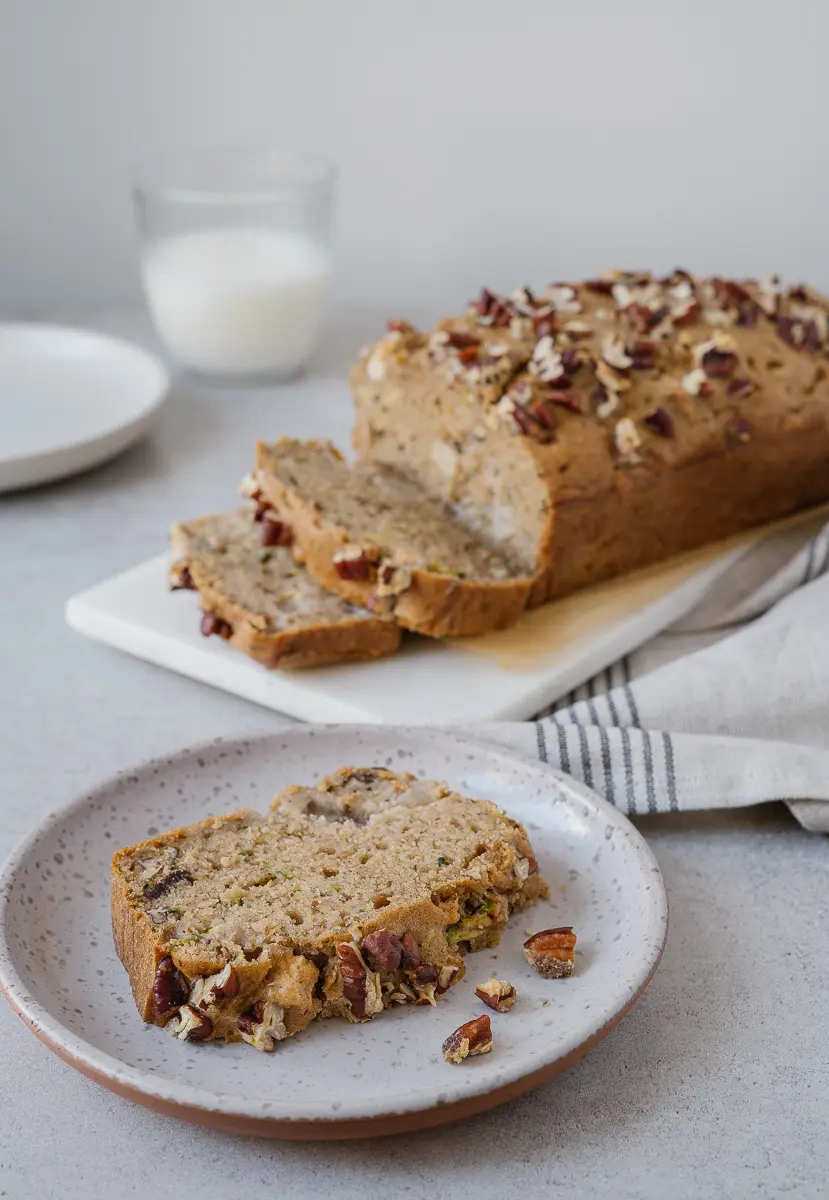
(236, 258)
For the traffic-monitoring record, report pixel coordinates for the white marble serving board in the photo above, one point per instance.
(502, 676)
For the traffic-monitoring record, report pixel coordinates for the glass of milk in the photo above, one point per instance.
(236, 258)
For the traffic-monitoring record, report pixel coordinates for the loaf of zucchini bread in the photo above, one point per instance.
(347, 898)
(602, 426)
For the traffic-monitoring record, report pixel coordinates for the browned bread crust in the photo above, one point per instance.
(647, 416)
(264, 603)
(380, 572)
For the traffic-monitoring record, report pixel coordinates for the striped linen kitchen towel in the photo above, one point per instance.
(729, 707)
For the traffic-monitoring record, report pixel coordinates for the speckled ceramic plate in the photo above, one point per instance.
(59, 970)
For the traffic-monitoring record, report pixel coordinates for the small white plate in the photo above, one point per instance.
(70, 399)
(59, 970)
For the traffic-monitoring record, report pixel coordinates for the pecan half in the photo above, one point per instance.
(275, 533)
(410, 956)
(498, 994)
(550, 952)
(474, 1037)
(211, 624)
(170, 987)
(164, 885)
(384, 950)
(192, 1025)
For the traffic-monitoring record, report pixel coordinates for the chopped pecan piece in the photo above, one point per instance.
(224, 985)
(395, 325)
(566, 399)
(426, 974)
(571, 360)
(687, 312)
(170, 987)
(717, 363)
(182, 580)
(262, 509)
(550, 952)
(475, 1037)
(748, 314)
(263, 1025)
(544, 326)
(492, 310)
(603, 286)
(661, 422)
(459, 339)
(352, 562)
(642, 354)
(737, 430)
(211, 624)
(361, 987)
(445, 976)
(736, 386)
(383, 949)
(410, 957)
(498, 994)
(545, 414)
(275, 533)
(192, 1025)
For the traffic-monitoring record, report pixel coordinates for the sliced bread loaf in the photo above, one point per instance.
(369, 534)
(254, 595)
(646, 415)
(348, 897)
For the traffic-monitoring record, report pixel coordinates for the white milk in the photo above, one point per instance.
(237, 301)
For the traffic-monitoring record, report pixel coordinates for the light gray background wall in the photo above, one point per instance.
(481, 140)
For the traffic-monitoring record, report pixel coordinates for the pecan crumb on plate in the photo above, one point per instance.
(475, 1037)
(550, 952)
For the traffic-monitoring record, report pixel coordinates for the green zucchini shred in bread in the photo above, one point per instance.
(346, 898)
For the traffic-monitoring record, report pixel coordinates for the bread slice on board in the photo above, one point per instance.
(347, 898)
(254, 595)
(370, 535)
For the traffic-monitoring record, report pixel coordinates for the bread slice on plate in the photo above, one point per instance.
(345, 899)
(371, 535)
(254, 595)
